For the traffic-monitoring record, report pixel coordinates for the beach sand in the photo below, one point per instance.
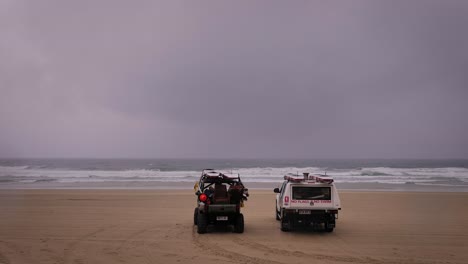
(156, 226)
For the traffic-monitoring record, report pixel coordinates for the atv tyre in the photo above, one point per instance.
(239, 224)
(202, 223)
(195, 216)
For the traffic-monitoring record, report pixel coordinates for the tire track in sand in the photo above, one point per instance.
(341, 258)
(299, 254)
(17, 250)
(147, 247)
(217, 250)
(73, 246)
(132, 241)
(4, 259)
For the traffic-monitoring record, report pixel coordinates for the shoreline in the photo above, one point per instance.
(362, 187)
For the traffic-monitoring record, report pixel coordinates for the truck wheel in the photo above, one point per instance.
(195, 216)
(277, 215)
(239, 225)
(285, 226)
(202, 222)
(328, 228)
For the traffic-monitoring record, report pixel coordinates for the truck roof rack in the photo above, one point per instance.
(308, 178)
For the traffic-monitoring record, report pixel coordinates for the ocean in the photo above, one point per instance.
(182, 173)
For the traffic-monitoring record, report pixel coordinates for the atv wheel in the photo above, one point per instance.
(239, 224)
(202, 222)
(195, 216)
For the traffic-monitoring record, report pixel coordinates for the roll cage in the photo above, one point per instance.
(210, 177)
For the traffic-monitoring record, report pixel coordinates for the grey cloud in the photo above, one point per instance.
(262, 79)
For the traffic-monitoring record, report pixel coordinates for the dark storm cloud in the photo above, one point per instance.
(259, 78)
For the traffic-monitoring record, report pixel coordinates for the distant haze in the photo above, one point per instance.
(234, 79)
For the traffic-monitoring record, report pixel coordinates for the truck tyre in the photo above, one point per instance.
(239, 224)
(328, 228)
(285, 226)
(195, 216)
(202, 222)
(277, 215)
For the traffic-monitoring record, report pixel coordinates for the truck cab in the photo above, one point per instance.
(307, 201)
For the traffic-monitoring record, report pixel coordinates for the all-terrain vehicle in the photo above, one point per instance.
(307, 201)
(219, 199)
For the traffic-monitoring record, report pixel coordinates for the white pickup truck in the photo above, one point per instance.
(307, 201)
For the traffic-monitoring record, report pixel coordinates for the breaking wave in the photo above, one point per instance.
(434, 176)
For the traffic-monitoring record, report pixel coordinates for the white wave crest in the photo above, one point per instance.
(448, 175)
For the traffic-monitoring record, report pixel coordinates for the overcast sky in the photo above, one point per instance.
(234, 79)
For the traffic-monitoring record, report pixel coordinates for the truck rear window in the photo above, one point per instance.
(311, 193)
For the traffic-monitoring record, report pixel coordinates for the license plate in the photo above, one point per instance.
(304, 212)
(222, 218)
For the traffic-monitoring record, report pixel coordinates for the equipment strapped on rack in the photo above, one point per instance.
(308, 178)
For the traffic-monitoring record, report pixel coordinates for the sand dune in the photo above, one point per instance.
(135, 226)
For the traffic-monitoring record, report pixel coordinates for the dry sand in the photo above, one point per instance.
(144, 226)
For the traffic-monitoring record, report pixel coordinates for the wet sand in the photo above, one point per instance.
(156, 226)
